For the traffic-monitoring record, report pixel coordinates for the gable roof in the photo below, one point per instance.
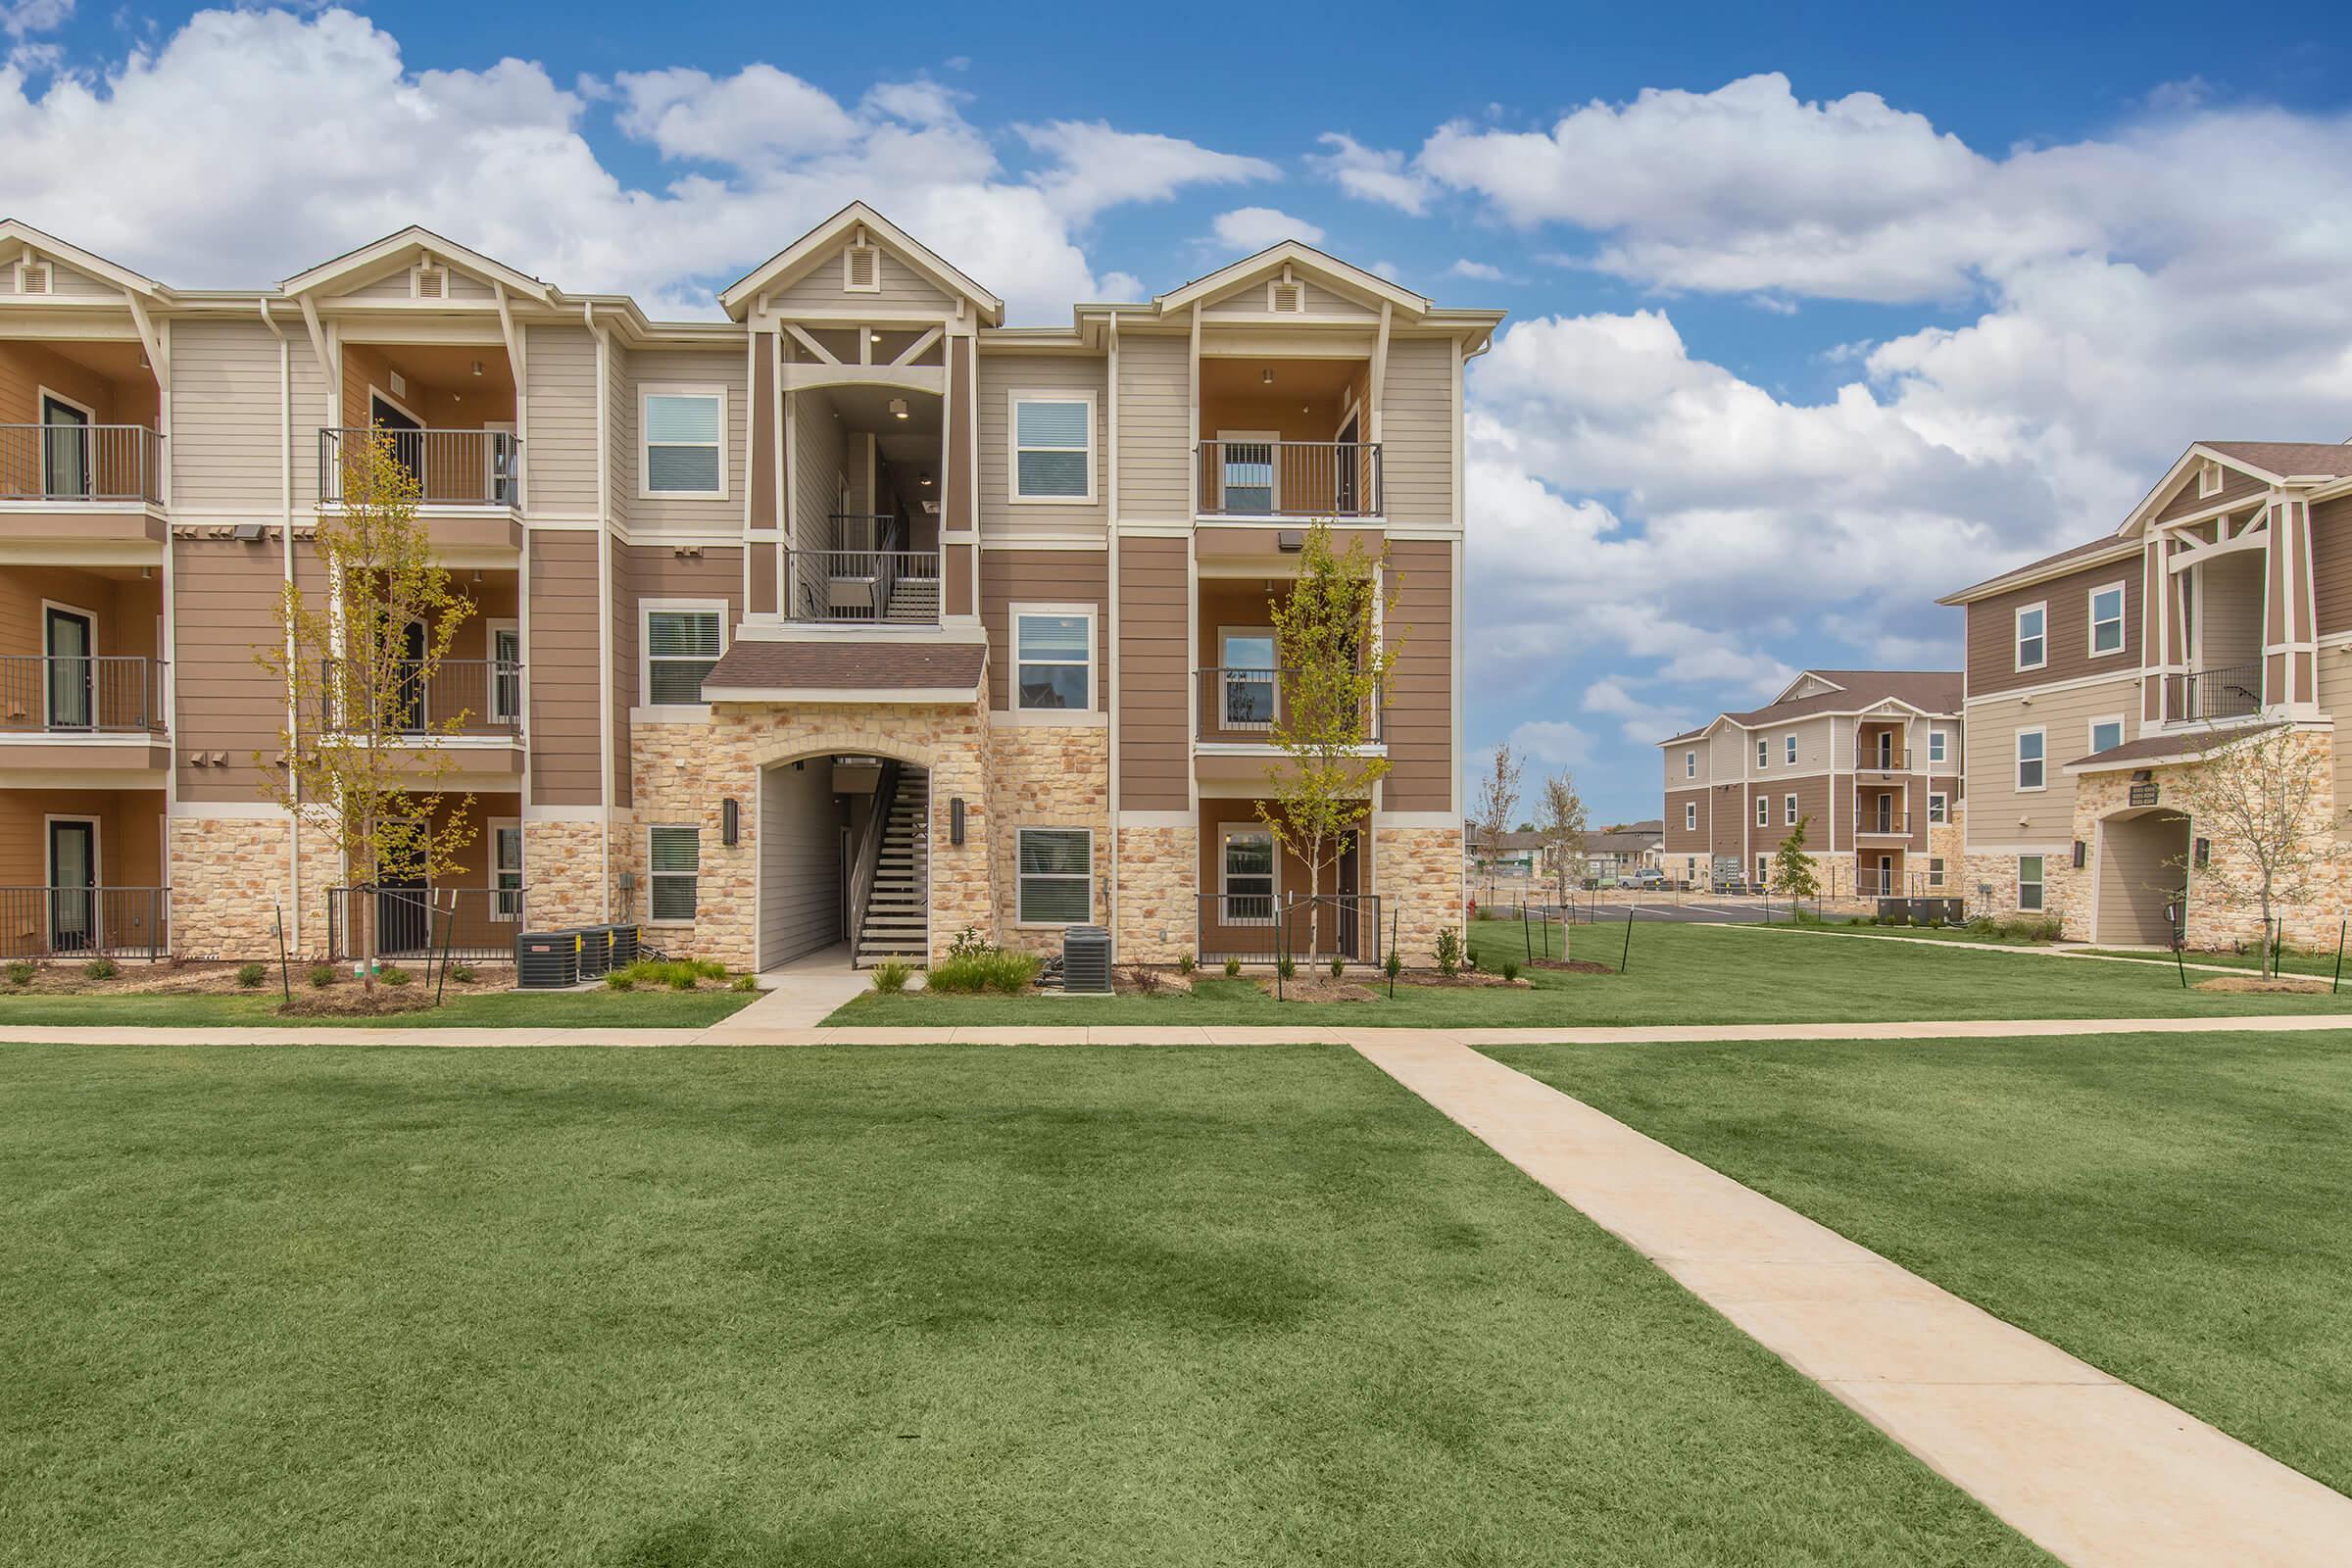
(358, 265)
(1303, 257)
(73, 255)
(2286, 459)
(736, 298)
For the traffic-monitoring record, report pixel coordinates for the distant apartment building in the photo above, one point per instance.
(848, 616)
(1871, 762)
(1618, 851)
(2100, 677)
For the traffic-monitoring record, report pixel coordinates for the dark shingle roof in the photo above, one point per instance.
(750, 666)
(2156, 747)
(2095, 546)
(2286, 458)
(1935, 690)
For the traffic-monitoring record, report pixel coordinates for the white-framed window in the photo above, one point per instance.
(504, 638)
(1245, 875)
(505, 869)
(2028, 882)
(1790, 748)
(1935, 870)
(2032, 759)
(1056, 875)
(2033, 636)
(674, 860)
(2209, 479)
(1940, 745)
(679, 639)
(1938, 805)
(1763, 811)
(860, 270)
(1763, 752)
(1689, 816)
(1053, 447)
(1689, 764)
(2107, 733)
(2107, 620)
(682, 441)
(1053, 658)
(1763, 870)
(1789, 810)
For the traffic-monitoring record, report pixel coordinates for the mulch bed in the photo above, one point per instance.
(68, 977)
(1468, 979)
(353, 1000)
(1322, 987)
(1130, 981)
(2255, 982)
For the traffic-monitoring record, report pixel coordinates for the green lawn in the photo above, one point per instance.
(1677, 974)
(936, 1305)
(526, 1009)
(2322, 964)
(2169, 1209)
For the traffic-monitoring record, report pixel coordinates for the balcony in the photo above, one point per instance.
(1301, 479)
(1875, 758)
(97, 484)
(2209, 696)
(1240, 707)
(871, 578)
(462, 699)
(1889, 820)
(85, 921)
(111, 694)
(472, 470)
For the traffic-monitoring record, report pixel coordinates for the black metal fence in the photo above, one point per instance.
(2234, 691)
(79, 694)
(1265, 927)
(451, 467)
(1290, 479)
(85, 923)
(116, 463)
(413, 923)
(457, 697)
(1243, 705)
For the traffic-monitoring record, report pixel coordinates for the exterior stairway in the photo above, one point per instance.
(913, 600)
(896, 918)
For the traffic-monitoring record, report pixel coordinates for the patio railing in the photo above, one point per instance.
(111, 694)
(1290, 479)
(1263, 927)
(411, 924)
(85, 923)
(1240, 706)
(118, 463)
(451, 468)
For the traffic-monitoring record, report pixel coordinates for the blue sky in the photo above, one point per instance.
(1818, 311)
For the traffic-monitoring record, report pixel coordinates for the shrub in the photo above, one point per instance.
(744, 982)
(707, 969)
(1146, 981)
(1395, 965)
(1286, 966)
(991, 969)
(392, 974)
(322, 975)
(101, 969)
(682, 976)
(461, 973)
(1450, 952)
(969, 944)
(621, 980)
(251, 975)
(891, 974)
(1338, 967)
(1510, 968)
(1233, 969)
(20, 975)
(1186, 963)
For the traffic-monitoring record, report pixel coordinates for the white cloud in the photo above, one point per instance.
(1372, 174)
(23, 18)
(759, 112)
(1246, 230)
(1552, 740)
(1097, 166)
(1482, 272)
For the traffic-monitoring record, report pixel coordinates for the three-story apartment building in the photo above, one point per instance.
(2100, 677)
(1871, 760)
(849, 616)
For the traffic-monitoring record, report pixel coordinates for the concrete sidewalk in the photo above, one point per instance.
(2093, 1470)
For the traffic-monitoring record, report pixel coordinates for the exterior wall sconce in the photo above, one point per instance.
(955, 821)
(730, 821)
(2082, 855)
(2204, 853)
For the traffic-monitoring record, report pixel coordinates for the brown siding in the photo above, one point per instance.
(1420, 717)
(563, 726)
(131, 838)
(1679, 842)
(26, 367)
(644, 572)
(1047, 576)
(1154, 751)
(962, 480)
(1728, 835)
(2236, 486)
(2332, 563)
(1812, 794)
(226, 603)
(1992, 631)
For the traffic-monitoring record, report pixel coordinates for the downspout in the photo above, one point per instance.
(1110, 634)
(285, 506)
(604, 596)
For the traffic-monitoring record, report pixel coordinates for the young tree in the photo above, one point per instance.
(357, 762)
(1498, 799)
(1563, 830)
(2256, 798)
(1792, 868)
(1335, 644)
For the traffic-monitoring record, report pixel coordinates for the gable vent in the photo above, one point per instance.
(862, 269)
(1286, 299)
(33, 277)
(429, 283)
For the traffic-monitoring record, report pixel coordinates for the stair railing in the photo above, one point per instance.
(868, 859)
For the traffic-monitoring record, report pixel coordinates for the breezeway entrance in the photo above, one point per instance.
(2143, 865)
(842, 858)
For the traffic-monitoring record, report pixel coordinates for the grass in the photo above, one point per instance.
(2290, 961)
(1678, 974)
(490, 1010)
(906, 1306)
(2169, 1209)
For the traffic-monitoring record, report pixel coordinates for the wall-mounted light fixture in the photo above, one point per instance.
(477, 366)
(955, 821)
(1266, 378)
(730, 821)
(898, 408)
(2081, 854)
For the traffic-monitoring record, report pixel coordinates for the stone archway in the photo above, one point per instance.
(2143, 858)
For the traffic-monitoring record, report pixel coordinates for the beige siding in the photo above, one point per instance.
(1994, 803)
(1417, 431)
(1154, 421)
(816, 459)
(1041, 576)
(800, 838)
(1154, 751)
(226, 598)
(1420, 717)
(559, 452)
(2332, 563)
(564, 716)
(819, 289)
(1250, 302)
(225, 434)
(2236, 486)
(721, 367)
(1001, 374)
(2335, 698)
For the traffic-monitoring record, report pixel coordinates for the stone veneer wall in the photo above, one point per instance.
(563, 865)
(2065, 891)
(1048, 776)
(1158, 912)
(1417, 872)
(228, 879)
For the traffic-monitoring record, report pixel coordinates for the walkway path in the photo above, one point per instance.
(2096, 1471)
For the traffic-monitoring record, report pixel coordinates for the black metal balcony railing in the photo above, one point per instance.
(108, 694)
(1874, 758)
(1881, 819)
(1240, 706)
(1263, 927)
(1290, 479)
(459, 696)
(84, 922)
(118, 464)
(411, 924)
(451, 468)
(2232, 691)
(894, 586)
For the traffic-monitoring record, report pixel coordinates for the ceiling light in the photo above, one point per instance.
(477, 366)
(1267, 376)
(927, 479)
(898, 408)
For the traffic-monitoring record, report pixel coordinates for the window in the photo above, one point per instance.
(505, 671)
(1053, 447)
(2029, 759)
(860, 270)
(1763, 751)
(1053, 657)
(681, 643)
(1057, 875)
(1245, 875)
(1763, 811)
(1788, 811)
(2107, 620)
(675, 862)
(1763, 870)
(506, 870)
(1689, 816)
(2033, 641)
(1938, 746)
(2028, 882)
(1689, 764)
(1935, 870)
(2106, 734)
(684, 435)
(1939, 807)
(1791, 749)
(1247, 660)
